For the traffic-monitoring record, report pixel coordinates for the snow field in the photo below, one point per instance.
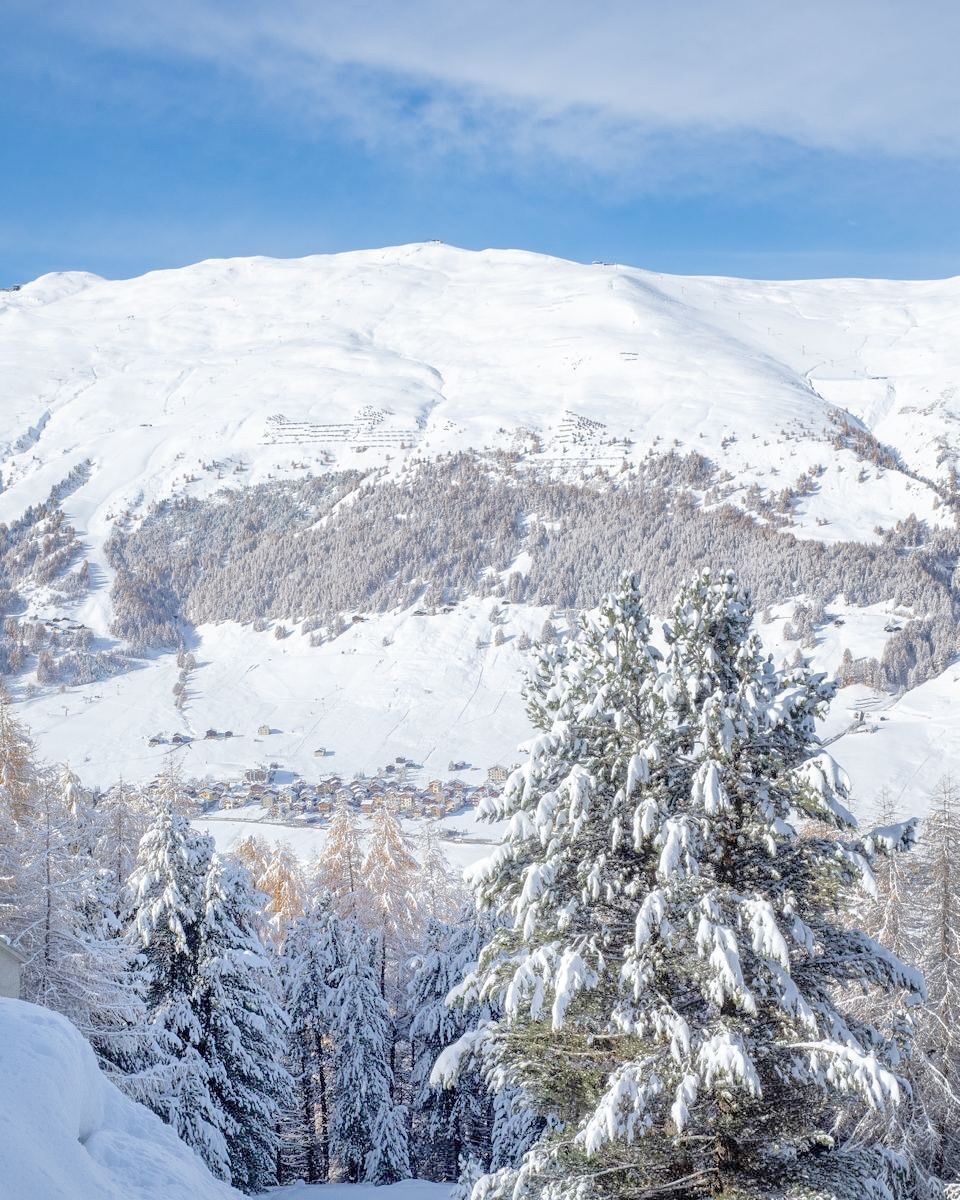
(433, 349)
(429, 694)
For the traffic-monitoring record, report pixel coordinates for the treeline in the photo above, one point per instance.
(316, 550)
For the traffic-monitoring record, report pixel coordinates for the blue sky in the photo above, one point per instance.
(734, 137)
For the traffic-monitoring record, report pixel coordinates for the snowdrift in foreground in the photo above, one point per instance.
(66, 1133)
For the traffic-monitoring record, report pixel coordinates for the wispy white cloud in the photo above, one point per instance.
(661, 89)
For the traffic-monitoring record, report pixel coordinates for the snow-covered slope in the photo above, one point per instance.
(228, 373)
(66, 1133)
(430, 694)
(262, 364)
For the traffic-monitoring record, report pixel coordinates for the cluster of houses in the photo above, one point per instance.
(299, 799)
(287, 796)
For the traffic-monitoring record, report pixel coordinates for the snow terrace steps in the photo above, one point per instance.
(366, 430)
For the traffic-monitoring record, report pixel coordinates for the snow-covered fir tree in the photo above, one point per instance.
(111, 984)
(440, 891)
(121, 816)
(671, 962)
(887, 912)
(17, 766)
(18, 787)
(309, 965)
(242, 1025)
(61, 915)
(516, 1124)
(915, 913)
(166, 902)
(455, 1122)
(368, 1129)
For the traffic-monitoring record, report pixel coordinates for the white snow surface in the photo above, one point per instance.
(431, 694)
(279, 368)
(66, 1133)
(407, 1189)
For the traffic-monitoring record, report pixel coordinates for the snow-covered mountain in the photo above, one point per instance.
(353, 358)
(119, 395)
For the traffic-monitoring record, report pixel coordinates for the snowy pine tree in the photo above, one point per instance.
(448, 1123)
(440, 890)
(242, 1025)
(932, 911)
(391, 879)
(889, 915)
(17, 766)
(516, 1126)
(166, 902)
(671, 961)
(309, 965)
(368, 1130)
(18, 790)
(121, 819)
(61, 907)
(112, 1011)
